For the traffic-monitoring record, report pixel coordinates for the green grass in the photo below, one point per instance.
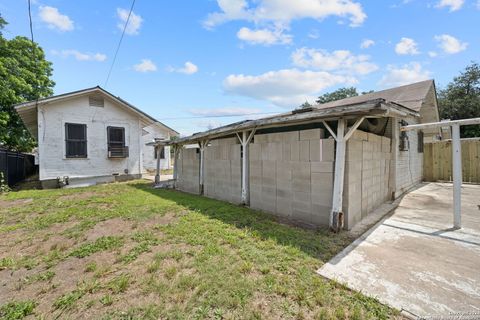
(101, 244)
(17, 310)
(209, 259)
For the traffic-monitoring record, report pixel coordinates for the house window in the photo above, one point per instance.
(116, 142)
(76, 140)
(420, 141)
(162, 152)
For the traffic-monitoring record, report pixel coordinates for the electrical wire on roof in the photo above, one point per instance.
(119, 44)
(220, 116)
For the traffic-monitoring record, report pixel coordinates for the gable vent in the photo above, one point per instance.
(95, 101)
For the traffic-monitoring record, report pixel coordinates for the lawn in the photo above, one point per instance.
(127, 251)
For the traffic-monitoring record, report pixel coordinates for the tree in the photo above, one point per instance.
(461, 99)
(24, 76)
(338, 94)
(305, 105)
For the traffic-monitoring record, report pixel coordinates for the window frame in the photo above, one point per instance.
(117, 143)
(162, 153)
(68, 140)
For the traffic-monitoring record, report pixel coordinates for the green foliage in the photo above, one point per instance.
(17, 310)
(338, 94)
(4, 188)
(461, 99)
(101, 244)
(24, 76)
(305, 105)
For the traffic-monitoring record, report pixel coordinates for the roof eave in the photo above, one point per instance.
(375, 108)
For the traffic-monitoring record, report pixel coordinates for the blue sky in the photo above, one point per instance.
(192, 63)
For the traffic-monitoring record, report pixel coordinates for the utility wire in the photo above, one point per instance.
(119, 44)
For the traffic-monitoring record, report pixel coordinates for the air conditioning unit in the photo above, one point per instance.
(118, 152)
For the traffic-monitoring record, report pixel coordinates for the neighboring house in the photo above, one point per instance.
(152, 132)
(88, 136)
(331, 164)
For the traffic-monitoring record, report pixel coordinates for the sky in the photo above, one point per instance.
(199, 64)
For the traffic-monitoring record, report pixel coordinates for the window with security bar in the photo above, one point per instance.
(75, 140)
(116, 142)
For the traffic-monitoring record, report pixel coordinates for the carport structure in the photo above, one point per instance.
(340, 122)
(323, 165)
(456, 158)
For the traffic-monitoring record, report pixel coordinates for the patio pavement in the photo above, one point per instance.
(413, 260)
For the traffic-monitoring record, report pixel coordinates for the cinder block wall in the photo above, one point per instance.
(223, 170)
(188, 171)
(291, 175)
(367, 172)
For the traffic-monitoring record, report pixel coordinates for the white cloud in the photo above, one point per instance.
(432, 54)
(81, 56)
(407, 46)
(367, 43)
(146, 65)
(54, 19)
(342, 61)
(454, 5)
(450, 44)
(287, 88)
(188, 68)
(478, 4)
(409, 73)
(134, 23)
(226, 111)
(264, 36)
(284, 11)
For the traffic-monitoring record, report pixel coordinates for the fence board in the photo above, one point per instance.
(16, 166)
(437, 163)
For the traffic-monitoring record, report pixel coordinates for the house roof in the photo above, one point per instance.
(411, 96)
(401, 101)
(371, 109)
(27, 110)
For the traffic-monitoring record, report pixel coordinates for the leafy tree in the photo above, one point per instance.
(461, 99)
(24, 76)
(304, 105)
(338, 94)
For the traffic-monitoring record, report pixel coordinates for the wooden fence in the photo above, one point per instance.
(437, 165)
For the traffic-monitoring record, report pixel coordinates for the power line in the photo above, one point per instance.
(30, 19)
(119, 44)
(219, 116)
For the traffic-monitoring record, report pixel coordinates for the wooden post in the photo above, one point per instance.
(176, 150)
(338, 176)
(157, 175)
(202, 144)
(245, 139)
(394, 144)
(457, 176)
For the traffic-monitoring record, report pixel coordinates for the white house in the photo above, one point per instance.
(90, 136)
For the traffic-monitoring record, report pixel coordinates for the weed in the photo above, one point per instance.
(91, 266)
(101, 244)
(106, 300)
(17, 309)
(119, 284)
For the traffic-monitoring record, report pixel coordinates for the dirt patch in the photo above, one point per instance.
(158, 220)
(5, 204)
(111, 227)
(80, 196)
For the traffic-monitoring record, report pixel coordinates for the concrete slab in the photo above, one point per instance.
(413, 260)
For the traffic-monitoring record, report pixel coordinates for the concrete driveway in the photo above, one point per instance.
(413, 260)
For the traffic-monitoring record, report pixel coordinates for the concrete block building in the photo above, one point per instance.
(328, 165)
